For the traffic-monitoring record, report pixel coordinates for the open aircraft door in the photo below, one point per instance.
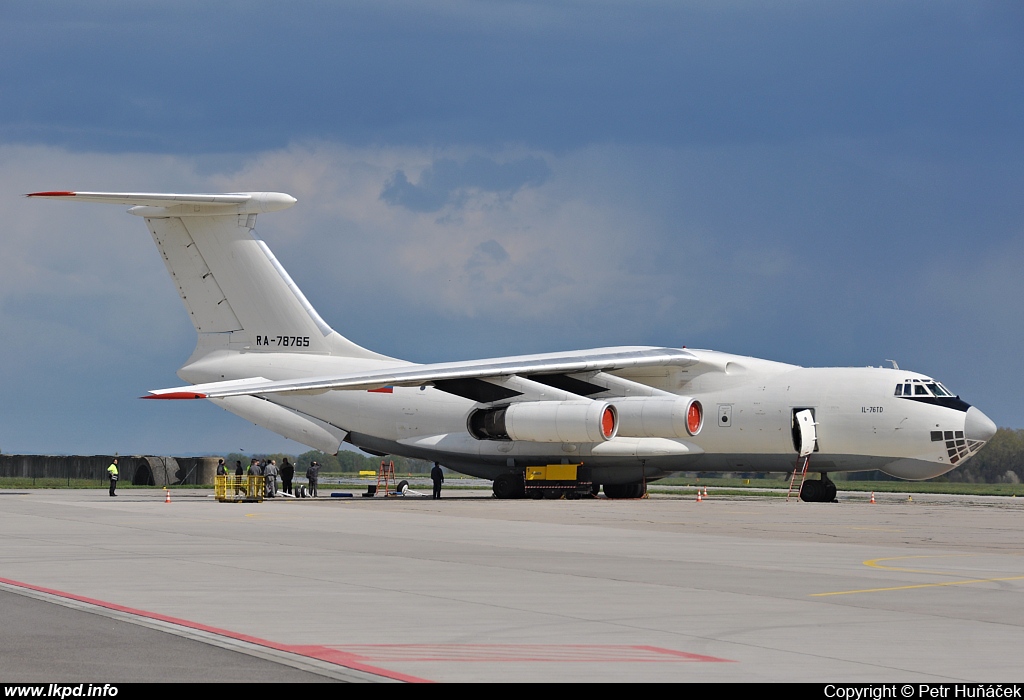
(805, 434)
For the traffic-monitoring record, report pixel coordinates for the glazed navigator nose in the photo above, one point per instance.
(978, 426)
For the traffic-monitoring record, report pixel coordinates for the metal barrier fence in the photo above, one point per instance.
(239, 489)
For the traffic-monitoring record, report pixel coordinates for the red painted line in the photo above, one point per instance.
(51, 194)
(334, 656)
(382, 390)
(689, 656)
(504, 653)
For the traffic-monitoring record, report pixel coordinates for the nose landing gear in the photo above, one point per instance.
(818, 491)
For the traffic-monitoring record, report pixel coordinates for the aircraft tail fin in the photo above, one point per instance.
(237, 294)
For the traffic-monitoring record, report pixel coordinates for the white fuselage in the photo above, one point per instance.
(749, 406)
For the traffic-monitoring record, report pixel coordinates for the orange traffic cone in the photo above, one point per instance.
(167, 499)
(699, 499)
(872, 496)
(705, 492)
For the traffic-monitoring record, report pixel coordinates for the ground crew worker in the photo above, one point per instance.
(312, 474)
(270, 472)
(222, 471)
(112, 473)
(287, 472)
(254, 470)
(437, 476)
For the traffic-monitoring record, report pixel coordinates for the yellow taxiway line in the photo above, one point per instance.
(876, 564)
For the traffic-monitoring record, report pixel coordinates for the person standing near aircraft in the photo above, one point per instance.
(222, 470)
(312, 474)
(253, 470)
(238, 475)
(437, 476)
(287, 472)
(270, 472)
(112, 473)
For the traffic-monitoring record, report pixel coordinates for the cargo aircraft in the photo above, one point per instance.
(630, 415)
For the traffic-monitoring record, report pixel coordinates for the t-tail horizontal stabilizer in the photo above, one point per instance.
(177, 204)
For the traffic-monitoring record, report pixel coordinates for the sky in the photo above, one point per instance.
(825, 184)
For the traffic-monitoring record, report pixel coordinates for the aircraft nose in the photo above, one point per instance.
(978, 426)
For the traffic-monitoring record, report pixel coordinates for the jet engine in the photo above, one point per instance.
(659, 416)
(546, 421)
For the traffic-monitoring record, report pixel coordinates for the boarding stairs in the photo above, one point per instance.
(386, 476)
(803, 477)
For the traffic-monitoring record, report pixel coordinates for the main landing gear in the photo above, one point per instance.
(509, 486)
(818, 491)
(636, 490)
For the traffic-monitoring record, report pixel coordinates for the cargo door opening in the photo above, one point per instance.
(805, 433)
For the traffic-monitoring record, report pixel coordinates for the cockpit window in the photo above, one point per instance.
(924, 387)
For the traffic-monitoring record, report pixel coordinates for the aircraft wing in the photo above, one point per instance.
(604, 359)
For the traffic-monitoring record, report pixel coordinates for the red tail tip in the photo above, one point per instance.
(176, 395)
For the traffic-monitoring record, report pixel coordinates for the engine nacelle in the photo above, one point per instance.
(659, 416)
(547, 421)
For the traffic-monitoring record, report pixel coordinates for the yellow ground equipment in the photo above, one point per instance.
(558, 481)
(239, 489)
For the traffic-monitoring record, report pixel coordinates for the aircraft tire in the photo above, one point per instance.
(636, 490)
(505, 486)
(828, 492)
(402, 487)
(615, 490)
(810, 492)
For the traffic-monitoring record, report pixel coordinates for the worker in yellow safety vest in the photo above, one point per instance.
(112, 473)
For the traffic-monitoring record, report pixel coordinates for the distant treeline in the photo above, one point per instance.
(1001, 461)
(346, 461)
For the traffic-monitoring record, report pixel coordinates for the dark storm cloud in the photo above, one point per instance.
(445, 180)
(493, 250)
(199, 77)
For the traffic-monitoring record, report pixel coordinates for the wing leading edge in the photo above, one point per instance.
(607, 359)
